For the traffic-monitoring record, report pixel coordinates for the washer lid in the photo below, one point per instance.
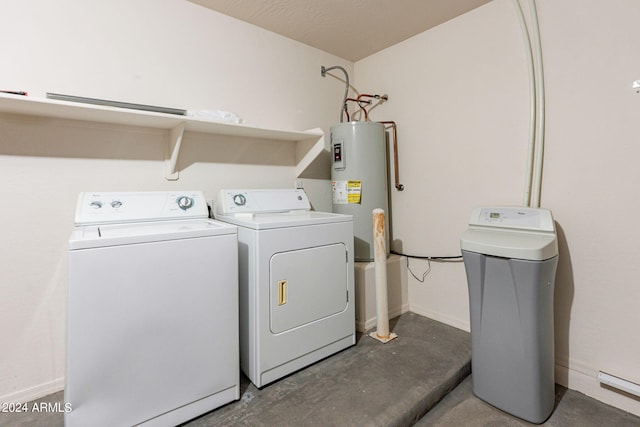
(93, 236)
(265, 221)
(511, 232)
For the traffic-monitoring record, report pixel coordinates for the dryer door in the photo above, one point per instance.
(307, 285)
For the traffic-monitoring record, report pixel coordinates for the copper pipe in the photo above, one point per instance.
(393, 125)
(360, 102)
(381, 98)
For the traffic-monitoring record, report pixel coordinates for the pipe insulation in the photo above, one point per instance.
(382, 333)
(619, 383)
(380, 259)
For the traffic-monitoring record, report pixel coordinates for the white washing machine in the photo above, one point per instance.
(152, 334)
(296, 280)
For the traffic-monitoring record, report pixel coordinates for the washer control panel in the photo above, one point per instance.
(261, 201)
(109, 207)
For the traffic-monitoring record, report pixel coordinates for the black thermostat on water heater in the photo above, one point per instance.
(338, 156)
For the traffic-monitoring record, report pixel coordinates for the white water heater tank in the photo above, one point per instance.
(359, 177)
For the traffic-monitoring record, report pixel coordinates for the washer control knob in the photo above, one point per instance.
(96, 204)
(239, 199)
(184, 202)
(116, 204)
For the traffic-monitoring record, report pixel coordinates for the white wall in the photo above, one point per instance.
(462, 129)
(171, 53)
(459, 93)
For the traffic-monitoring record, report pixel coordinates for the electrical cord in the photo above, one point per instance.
(323, 72)
(432, 258)
(457, 258)
(424, 275)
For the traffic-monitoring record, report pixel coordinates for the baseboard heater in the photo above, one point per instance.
(619, 383)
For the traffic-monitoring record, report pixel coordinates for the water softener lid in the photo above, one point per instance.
(511, 232)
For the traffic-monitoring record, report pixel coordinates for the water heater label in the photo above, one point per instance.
(346, 192)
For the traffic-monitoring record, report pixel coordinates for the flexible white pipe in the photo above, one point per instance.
(526, 199)
(380, 270)
(540, 109)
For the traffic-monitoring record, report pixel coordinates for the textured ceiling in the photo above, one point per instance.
(350, 29)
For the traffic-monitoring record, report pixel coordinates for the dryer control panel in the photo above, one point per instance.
(231, 202)
(109, 207)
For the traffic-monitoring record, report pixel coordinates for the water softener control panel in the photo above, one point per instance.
(511, 232)
(533, 219)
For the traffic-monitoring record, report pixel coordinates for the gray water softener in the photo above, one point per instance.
(510, 256)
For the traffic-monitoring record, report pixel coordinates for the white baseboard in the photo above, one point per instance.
(440, 317)
(362, 326)
(584, 379)
(35, 392)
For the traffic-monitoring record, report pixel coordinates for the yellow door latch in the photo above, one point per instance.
(282, 292)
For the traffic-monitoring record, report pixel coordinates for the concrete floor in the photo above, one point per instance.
(374, 384)
(370, 384)
(572, 409)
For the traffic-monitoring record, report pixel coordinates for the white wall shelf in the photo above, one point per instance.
(308, 144)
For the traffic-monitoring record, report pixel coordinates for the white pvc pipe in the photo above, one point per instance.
(526, 199)
(380, 269)
(540, 110)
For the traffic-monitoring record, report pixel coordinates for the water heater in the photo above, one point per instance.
(359, 179)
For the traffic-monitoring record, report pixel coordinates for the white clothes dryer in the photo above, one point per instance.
(152, 329)
(296, 280)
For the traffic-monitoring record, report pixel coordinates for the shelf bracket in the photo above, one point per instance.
(313, 160)
(173, 152)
